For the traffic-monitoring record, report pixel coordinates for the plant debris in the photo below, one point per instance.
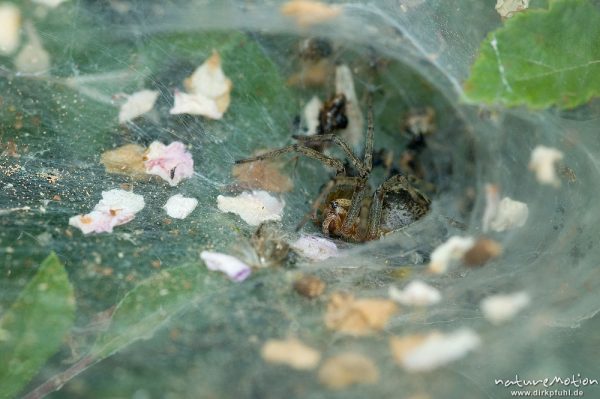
(416, 293)
(263, 175)
(309, 286)
(453, 249)
(481, 252)
(358, 316)
(500, 308)
(346, 369)
(291, 352)
(507, 8)
(126, 160)
(417, 353)
(543, 164)
(310, 12)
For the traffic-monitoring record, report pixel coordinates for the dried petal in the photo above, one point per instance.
(116, 207)
(253, 207)
(315, 248)
(482, 251)
(125, 160)
(265, 175)
(543, 163)
(425, 353)
(507, 8)
(309, 12)
(453, 249)
(358, 316)
(492, 202)
(137, 104)
(179, 207)
(500, 308)
(346, 369)
(10, 27)
(171, 162)
(309, 286)
(234, 268)
(416, 293)
(291, 352)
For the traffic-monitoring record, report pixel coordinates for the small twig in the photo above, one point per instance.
(57, 381)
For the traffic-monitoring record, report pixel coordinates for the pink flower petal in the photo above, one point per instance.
(116, 207)
(234, 268)
(171, 162)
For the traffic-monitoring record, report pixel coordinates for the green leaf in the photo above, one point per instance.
(34, 327)
(540, 58)
(149, 306)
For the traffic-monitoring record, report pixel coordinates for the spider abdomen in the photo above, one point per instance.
(400, 209)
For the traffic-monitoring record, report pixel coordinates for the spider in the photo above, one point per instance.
(346, 211)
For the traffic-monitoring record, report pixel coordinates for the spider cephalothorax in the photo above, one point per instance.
(343, 206)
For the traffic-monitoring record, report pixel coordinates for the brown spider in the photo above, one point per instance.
(347, 213)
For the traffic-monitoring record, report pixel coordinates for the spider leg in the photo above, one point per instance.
(332, 138)
(307, 152)
(316, 203)
(368, 162)
(375, 213)
(377, 203)
(356, 205)
(336, 180)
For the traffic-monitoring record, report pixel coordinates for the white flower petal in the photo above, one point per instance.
(500, 308)
(454, 248)
(179, 207)
(439, 349)
(137, 104)
(311, 115)
(209, 79)
(120, 200)
(315, 248)
(344, 84)
(511, 214)
(416, 293)
(234, 268)
(543, 163)
(116, 207)
(254, 208)
(195, 104)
